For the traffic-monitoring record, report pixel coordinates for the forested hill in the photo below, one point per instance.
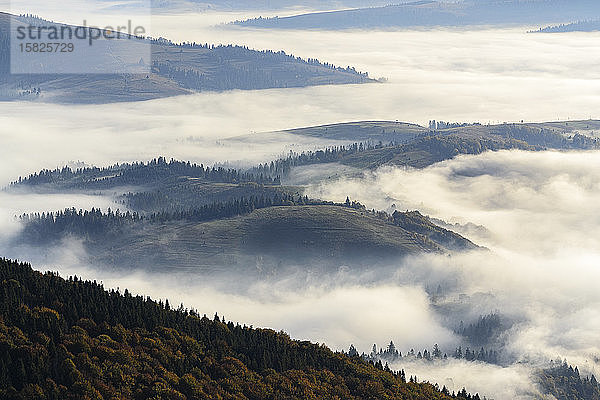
(71, 339)
(437, 13)
(158, 171)
(252, 237)
(175, 69)
(186, 216)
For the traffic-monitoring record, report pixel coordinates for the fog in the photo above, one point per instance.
(18, 203)
(540, 210)
(513, 382)
(541, 213)
(491, 75)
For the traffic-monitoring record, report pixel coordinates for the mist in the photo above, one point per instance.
(485, 75)
(539, 210)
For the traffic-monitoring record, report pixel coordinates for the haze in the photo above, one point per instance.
(540, 210)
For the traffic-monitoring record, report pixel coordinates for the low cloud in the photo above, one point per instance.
(540, 272)
(541, 214)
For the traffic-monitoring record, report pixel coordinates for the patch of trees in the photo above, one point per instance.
(228, 77)
(546, 137)
(484, 330)
(390, 354)
(563, 381)
(283, 166)
(87, 224)
(187, 194)
(414, 221)
(437, 148)
(233, 207)
(431, 147)
(434, 125)
(72, 339)
(442, 148)
(579, 26)
(227, 67)
(139, 173)
(94, 224)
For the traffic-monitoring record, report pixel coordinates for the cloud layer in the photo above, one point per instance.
(540, 209)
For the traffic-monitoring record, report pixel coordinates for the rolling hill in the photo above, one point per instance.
(268, 240)
(350, 132)
(174, 69)
(188, 216)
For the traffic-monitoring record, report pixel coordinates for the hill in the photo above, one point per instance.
(359, 131)
(183, 215)
(437, 13)
(419, 147)
(261, 239)
(174, 69)
(73, 339)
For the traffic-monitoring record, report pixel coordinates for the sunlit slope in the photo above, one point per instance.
(445, 144)
(348, 132)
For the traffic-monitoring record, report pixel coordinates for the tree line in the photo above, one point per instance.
(140, 173)
(391, 354)
(94, 223)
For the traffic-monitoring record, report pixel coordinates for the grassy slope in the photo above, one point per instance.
(319, 236)
(385, 131)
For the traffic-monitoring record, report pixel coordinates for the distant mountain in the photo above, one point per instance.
(266, 5)
(580, 26)
(74, 340)
(428, 13)
(173, 70)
